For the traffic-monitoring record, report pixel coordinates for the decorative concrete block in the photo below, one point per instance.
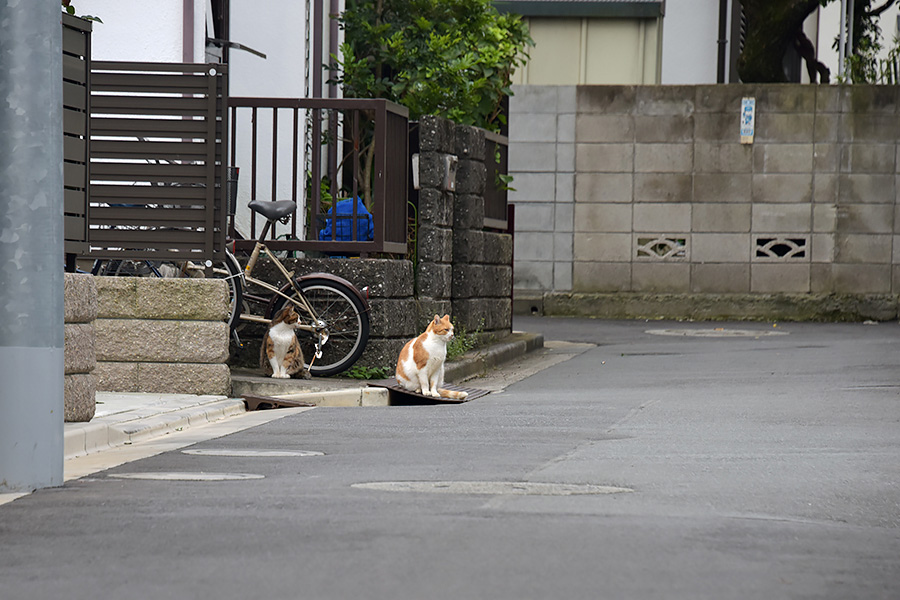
(564, 218)
(80, 403)
(720, 248)
(865, 218)
(169, 378)
(786, 218)
(80, 298)
(722, 128)
(783, 158)
(603, 187)
(822, 247)
(722, 187)
(436, 135)
(828, 99)
(722, 158)
(869, 128)
(826, 128)
(603, 217)
(825, 188)
(661, 277)
(663, 158)
(565, 158)
(720, 278)
(432, 169)
(603, 158)
(162, 298)
(862, 248)
(870, 99)
(468, 281)
(721, 218)
(435, 244)
(779, 278)
(663, 187)
(601, 277)
(719, 98)
(603, 128)
(603, 247)
(782, 187)
(666, 218)
(161, 341)
(861, 278)
(468, 211)
(79, 348)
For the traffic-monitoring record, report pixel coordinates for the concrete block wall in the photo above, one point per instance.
(666, 199)
(162, 335)
(80, 357)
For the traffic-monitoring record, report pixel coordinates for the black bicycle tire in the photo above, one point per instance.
(360, 338)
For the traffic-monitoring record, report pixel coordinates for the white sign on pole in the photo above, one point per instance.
(748, 119)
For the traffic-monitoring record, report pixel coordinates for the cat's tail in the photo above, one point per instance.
(452, 394)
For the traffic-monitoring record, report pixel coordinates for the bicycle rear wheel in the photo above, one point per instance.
(345, 318)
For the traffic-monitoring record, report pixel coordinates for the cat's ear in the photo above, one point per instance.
(437, 320)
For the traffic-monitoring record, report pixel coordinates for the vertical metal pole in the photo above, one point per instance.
(31, 247)
(842, 39)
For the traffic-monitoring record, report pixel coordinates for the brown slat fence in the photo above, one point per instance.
(157, 133)
(496, 153)
(337, 149)
(76, 59)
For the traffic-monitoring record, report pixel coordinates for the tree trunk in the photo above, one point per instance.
(771, 27)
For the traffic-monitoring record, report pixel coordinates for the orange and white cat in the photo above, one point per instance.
(420, 367)
(280, 355)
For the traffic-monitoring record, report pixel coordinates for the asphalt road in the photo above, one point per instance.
(628, 465)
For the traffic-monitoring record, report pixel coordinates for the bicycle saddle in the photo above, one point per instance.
(273, 209)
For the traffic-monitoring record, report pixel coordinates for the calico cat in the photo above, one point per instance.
(420, 367)
(280, 355)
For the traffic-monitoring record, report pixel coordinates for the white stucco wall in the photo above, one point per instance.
(689, 48)
(146, 31)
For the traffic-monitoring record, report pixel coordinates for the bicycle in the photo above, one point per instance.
(334, 328)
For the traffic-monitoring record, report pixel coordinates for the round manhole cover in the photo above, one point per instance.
(515, 488)
(718, 332)
(250, 452)
(188, 476)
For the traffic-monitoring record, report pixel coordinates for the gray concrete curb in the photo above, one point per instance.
(477, 362)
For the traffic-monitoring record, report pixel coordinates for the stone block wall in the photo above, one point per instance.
(162, 335)
(665, 199)
(80, 358)
(462, 269)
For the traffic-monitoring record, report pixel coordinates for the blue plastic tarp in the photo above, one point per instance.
(365, 227)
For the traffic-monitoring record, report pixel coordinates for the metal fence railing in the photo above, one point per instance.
(157, 133)
(496, 161)
(344, 161)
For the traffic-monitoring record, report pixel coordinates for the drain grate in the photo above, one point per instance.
(718, 332)
(495, 488)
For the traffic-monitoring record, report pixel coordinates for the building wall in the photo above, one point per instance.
(592, 51)
(689, 41)
(648, 190)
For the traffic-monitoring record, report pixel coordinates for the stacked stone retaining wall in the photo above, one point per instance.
(80, 358)
(162, 335)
